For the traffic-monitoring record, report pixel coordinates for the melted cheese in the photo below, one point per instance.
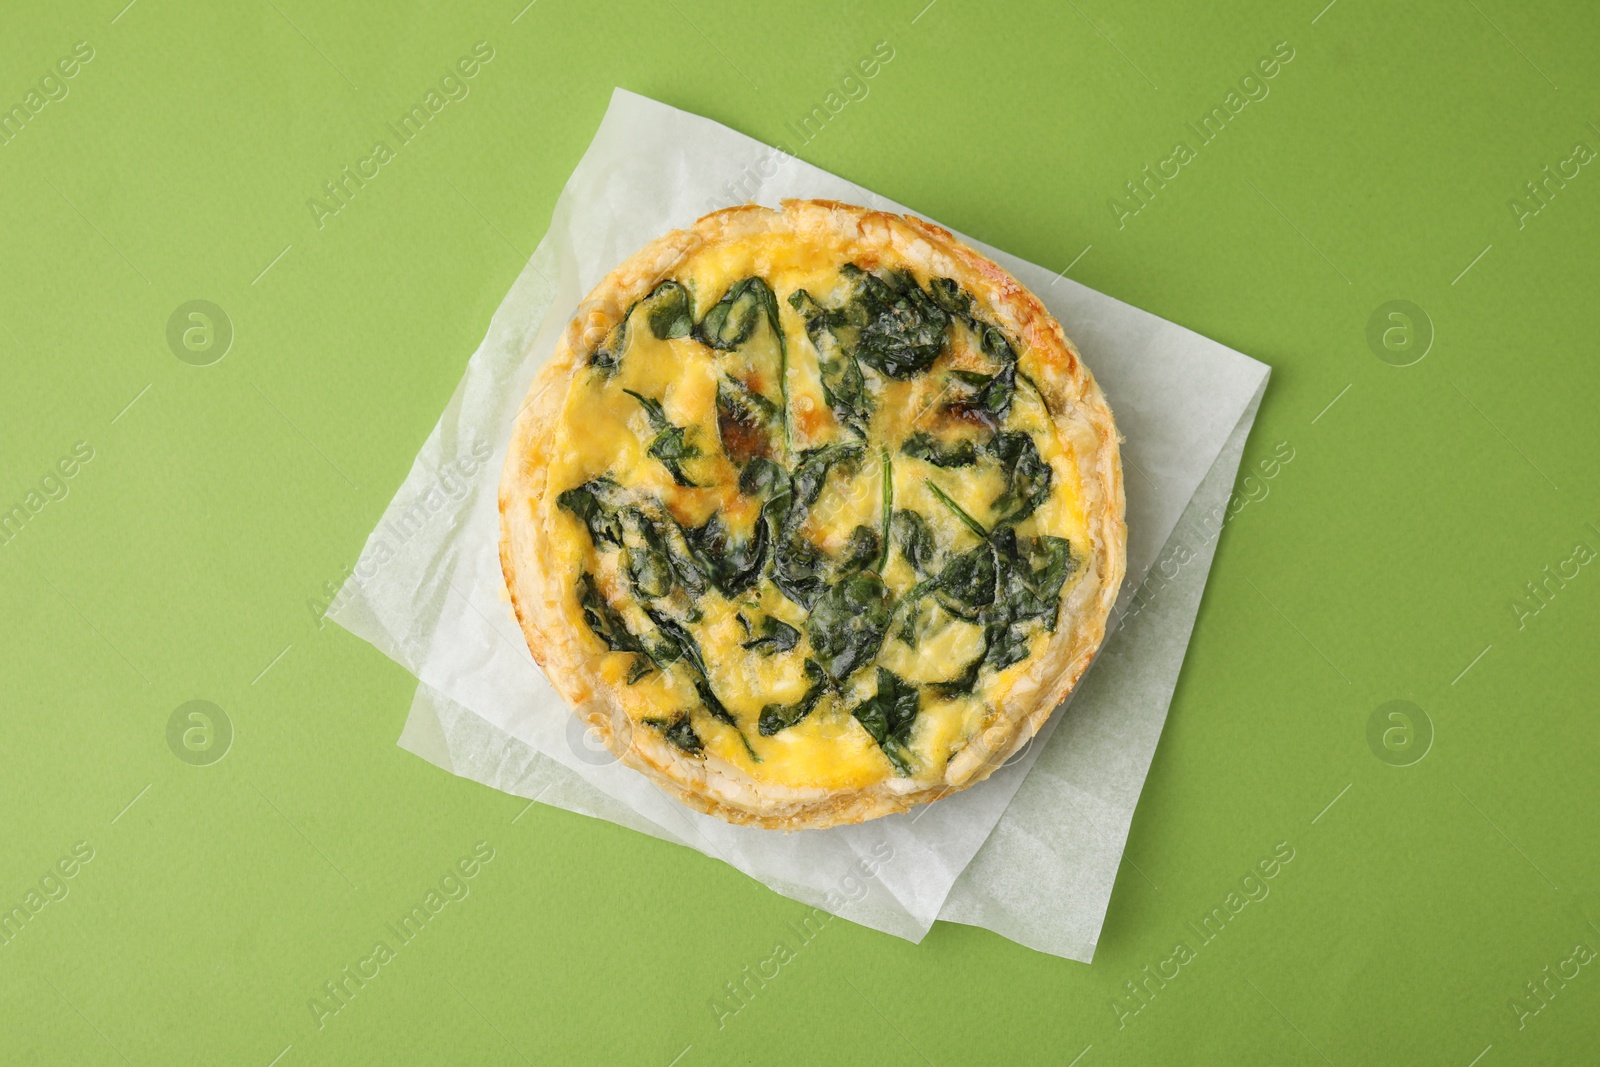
(605, 431)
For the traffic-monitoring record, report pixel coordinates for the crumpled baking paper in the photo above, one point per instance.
(1031, 853)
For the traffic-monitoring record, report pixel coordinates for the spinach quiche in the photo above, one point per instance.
(814, 515)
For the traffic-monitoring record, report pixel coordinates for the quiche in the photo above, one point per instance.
(814, 515)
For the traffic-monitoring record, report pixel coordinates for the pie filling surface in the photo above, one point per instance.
(814, 512)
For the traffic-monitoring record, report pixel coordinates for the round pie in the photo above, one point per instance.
(814, 515)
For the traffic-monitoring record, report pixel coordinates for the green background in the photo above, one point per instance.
(1383, 562)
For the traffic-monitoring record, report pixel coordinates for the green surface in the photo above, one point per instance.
(1379, 564)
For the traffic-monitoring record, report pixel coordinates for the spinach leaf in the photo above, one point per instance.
(926, 447)
(845, 390)
(889, 717)
(691, 575)
(669, 445)
(702, 685)
(996, 347)
(889, 323)
(595, 502)
(905, 328)
(1048, 580)
(775, 636)
(732, 320)
(798, 570)
(669, 311)
(915, 539)
(956, 509)
(608, 353)
(1029, 580)
(763, 479)
(1008, 644)
(887, 505)
(681, 640)
(796, 565)
(847, 624)
(669, 314)
(913, 611)
(861, 549)
(984, 397)
(775, 717)
(1006, 585)
(680, 732)
(659, 557)
(732, 566)
(811, 473)
(843, 386)
(663, 652)
(1034, 570)
(969, 582)
(949, 295)
(962, 683)
(832, 330)
(609, 626)
(677, 638)
(1026, 474)
(817, 318)
(1005, 642)
(649, 564)
(749, 397)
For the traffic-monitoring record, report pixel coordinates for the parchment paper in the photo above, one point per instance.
(428, 591)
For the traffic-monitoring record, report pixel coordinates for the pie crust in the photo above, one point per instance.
(544, 588)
